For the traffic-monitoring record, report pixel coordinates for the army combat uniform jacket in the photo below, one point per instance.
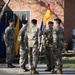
(58, 40)
(23, 42)
(33, 42)
(9, 37)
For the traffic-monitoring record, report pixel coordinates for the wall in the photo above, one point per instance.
(69, 20)
(64, 9)
(39, 7)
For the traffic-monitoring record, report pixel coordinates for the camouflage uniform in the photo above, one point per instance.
(22, 38)
(49, 48)
(33, 41)
(58, 39)
(9, 37)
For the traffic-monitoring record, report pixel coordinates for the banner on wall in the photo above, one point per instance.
(4, 23)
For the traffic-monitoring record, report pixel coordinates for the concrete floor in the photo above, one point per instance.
(40, 68)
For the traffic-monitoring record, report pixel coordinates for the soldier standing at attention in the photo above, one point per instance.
(9, 37)
(58, 40)
(33, 44)
(48, 38)
(23, 42)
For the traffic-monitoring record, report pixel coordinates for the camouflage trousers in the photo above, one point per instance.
(33, 57)
(9, 53)
(23, 56)
(58, 57)
(49, 58)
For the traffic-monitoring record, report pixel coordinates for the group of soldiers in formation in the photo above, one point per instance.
(29, 44)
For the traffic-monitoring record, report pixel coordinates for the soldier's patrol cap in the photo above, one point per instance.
(24, 22)
(34, 21)
(50, 23)
(11, 20)
(58, 20)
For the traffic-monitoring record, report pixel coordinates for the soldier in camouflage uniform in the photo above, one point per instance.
(9, 37)
(33, 44)
(22, 38)
(58, 40)
(48, 37)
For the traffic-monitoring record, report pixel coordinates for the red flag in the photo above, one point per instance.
(47, 15)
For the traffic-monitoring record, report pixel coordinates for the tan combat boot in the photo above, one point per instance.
(33, 71)
(59, 71)
(53, 71)
(36, 72)
(9, 65)
(22, 68)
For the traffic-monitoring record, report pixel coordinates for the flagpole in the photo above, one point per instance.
(6, 18)
(45, 19)
(3, 9)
